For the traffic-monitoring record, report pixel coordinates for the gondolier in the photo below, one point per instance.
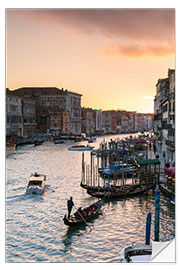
(70, 205)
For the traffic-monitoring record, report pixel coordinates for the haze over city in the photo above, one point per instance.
(113, 57)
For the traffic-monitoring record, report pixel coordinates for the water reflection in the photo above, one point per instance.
(71, 233)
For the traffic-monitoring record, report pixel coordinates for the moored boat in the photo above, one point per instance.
(80, 148)
(117, 170)
(10, 147)
(81, 216)
(123, 192)
(36, 184)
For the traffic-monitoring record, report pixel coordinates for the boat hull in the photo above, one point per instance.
(80, 148)
(34, 191)
(118, 195)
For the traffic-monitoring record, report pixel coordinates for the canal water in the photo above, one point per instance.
(35, 231)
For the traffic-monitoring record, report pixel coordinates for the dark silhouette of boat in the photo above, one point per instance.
(81, 216)
(122, 192)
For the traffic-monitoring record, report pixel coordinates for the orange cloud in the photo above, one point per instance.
(137, 50)
(133, 32)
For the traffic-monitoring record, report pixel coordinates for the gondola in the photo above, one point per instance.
(120, 193)
(105, 188)
(85, 215)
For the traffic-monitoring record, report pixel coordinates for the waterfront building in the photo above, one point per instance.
(50, 103)
(148, 121)
(164, 117)
(125, 121)
(170, 142)
(143, 122)
(97, 114)
(88, 123)
(65, 122)
(73, 105)
(131, 116)
(160, 118)
(29, 117)
(14, 117)
(139, 121)
(109, 122)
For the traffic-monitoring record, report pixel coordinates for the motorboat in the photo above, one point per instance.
(136, 253)
(80, 148)
(36, 184)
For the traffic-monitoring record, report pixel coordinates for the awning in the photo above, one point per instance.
(170, 171)
(148, 162)
(140, 141)
(171, 149)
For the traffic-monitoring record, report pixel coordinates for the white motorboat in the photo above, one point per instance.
(80, 148)
(36, 184)
(136, 253)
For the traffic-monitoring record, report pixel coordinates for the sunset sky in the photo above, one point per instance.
(113, 57)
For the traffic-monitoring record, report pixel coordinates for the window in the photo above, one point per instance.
(164, 124)
(13, 108)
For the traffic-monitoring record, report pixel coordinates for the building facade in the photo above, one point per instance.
(73, 105)
(29, 117)
(109, 122)
(88, 123)
(170, 142)
(164, 116)
(57, 110)
(14, 116)
(98, 121)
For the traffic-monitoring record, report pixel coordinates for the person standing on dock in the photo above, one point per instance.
(70, 205)
(149, 145)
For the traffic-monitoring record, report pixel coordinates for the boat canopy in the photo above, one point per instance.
(37, 178)
(140, 141)
(35, 183)
(147, 162)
